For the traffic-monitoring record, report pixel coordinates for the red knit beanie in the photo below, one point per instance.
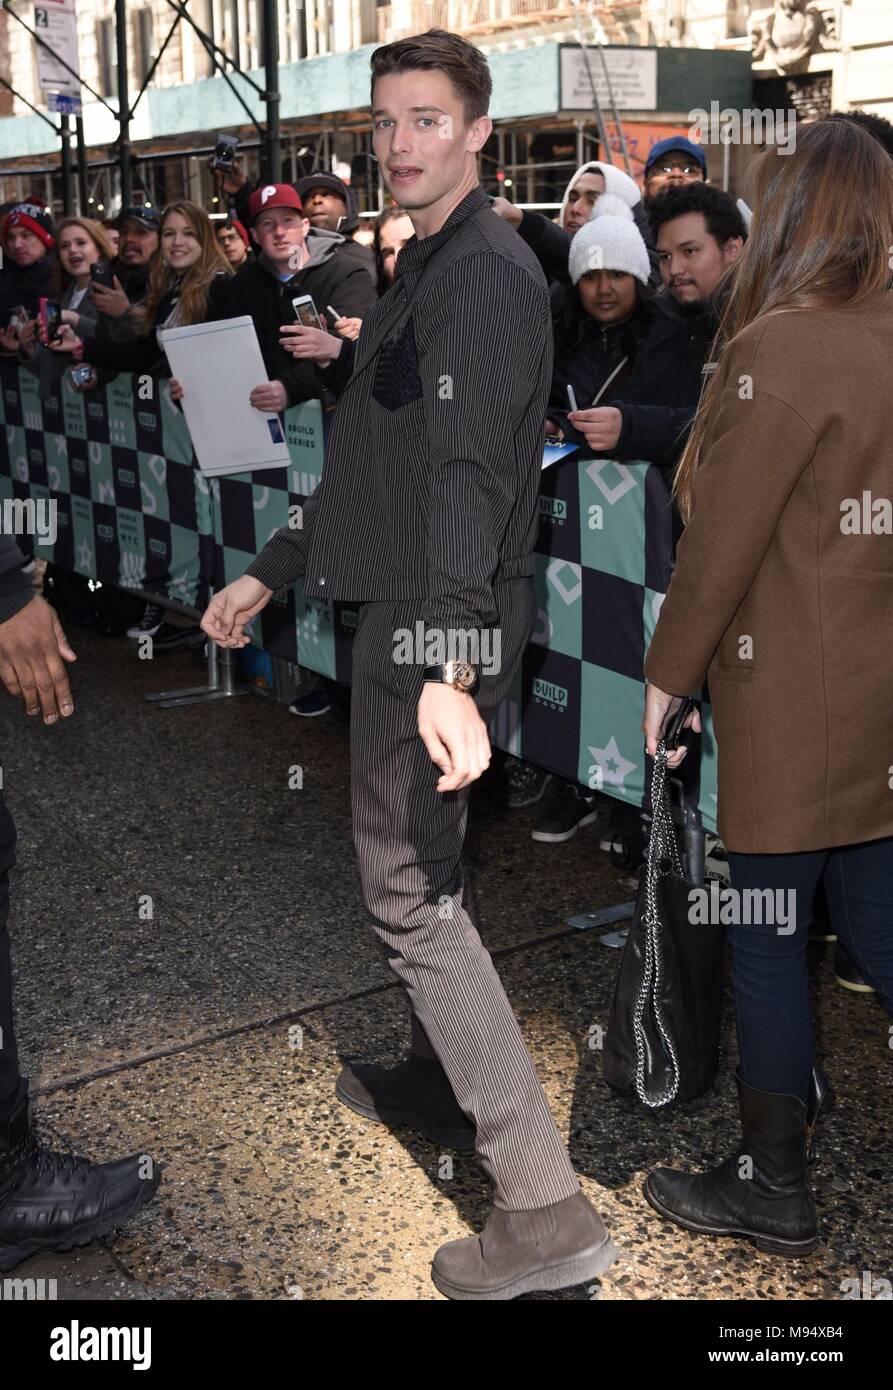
(35, 218)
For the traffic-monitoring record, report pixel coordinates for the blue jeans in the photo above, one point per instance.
(769, 973)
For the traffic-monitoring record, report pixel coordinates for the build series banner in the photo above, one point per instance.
(132, 509)
(127, 506)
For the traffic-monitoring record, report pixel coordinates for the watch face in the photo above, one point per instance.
(461, 674)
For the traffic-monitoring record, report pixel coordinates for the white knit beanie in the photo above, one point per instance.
(619, 184)
(610, 240)
(616, 182)
(611, 205)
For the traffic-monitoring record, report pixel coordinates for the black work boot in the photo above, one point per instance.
(761, 1191)
(417, 1094)
(55, 1201)
(548, 1248)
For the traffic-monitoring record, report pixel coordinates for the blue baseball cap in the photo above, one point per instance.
(676, 144)
(138, 212)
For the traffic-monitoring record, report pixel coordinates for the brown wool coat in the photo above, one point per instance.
(803, 713)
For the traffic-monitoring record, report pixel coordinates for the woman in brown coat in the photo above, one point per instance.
(783, 596)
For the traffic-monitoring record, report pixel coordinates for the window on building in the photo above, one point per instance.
(231, 39)
(107, 57)
(143, 44)
(260, 56)
(204, 17)
(293, 39)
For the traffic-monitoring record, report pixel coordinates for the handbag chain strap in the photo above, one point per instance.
(663, 850)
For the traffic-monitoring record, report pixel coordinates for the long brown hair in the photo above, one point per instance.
(196, 281)
(60, 278)
(821, 238)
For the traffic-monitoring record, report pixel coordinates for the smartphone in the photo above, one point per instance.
(305, 312)
(84, 375)
(50, 316)
(225, 152)
(101, 273)
(19, 318)
(572, 398)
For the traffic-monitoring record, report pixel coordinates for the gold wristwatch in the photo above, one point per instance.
(461, 675)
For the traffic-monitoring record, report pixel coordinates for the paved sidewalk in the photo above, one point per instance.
(193, 963)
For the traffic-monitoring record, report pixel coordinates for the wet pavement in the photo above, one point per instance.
(193, 965)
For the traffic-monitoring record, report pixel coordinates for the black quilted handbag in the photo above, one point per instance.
(662, 1040)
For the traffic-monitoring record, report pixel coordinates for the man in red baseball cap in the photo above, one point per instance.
(290, 264)
(270, 196)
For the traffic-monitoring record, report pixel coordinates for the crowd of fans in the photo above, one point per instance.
(635, 280)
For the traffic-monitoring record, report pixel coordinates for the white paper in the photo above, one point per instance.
(218, 365)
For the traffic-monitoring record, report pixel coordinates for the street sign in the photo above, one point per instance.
(631, 78)
(55, 21)
(68, 105)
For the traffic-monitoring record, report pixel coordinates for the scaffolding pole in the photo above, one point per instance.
(272, 95)
(67, 190)
(82, 166)
(123, 104)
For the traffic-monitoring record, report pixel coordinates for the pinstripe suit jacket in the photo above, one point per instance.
(432, 467)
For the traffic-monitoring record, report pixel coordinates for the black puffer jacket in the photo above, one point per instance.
(658, 402)
(134, 279)
(144, 353)
(586, 354)
(24, 285)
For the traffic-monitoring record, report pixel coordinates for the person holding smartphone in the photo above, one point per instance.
(291, 264)
(29, 256)
(186, 285)
(81, 244)
(783, 595)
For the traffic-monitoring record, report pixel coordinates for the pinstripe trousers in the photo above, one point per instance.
(409, 841)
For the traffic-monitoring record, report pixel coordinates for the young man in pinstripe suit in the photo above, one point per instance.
(426, 515)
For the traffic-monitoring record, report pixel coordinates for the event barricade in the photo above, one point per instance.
(133, 510)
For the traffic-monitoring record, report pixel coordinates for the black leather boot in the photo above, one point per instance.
(55, 1201)
(761, 1191)
(417, 1094)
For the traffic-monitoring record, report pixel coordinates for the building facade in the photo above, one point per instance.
(663, 58)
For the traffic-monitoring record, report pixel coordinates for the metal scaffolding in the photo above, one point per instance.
(269, 138)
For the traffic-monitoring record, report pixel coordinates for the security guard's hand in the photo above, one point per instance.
(32, 649)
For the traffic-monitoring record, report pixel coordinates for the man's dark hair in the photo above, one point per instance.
(881, 129)
(464, 65)
(721, 216)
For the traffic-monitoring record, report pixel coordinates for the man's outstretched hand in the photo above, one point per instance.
(33, 648)
(233, 607)
(454, 734)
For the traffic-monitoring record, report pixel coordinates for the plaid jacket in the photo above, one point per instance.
(433, 462)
